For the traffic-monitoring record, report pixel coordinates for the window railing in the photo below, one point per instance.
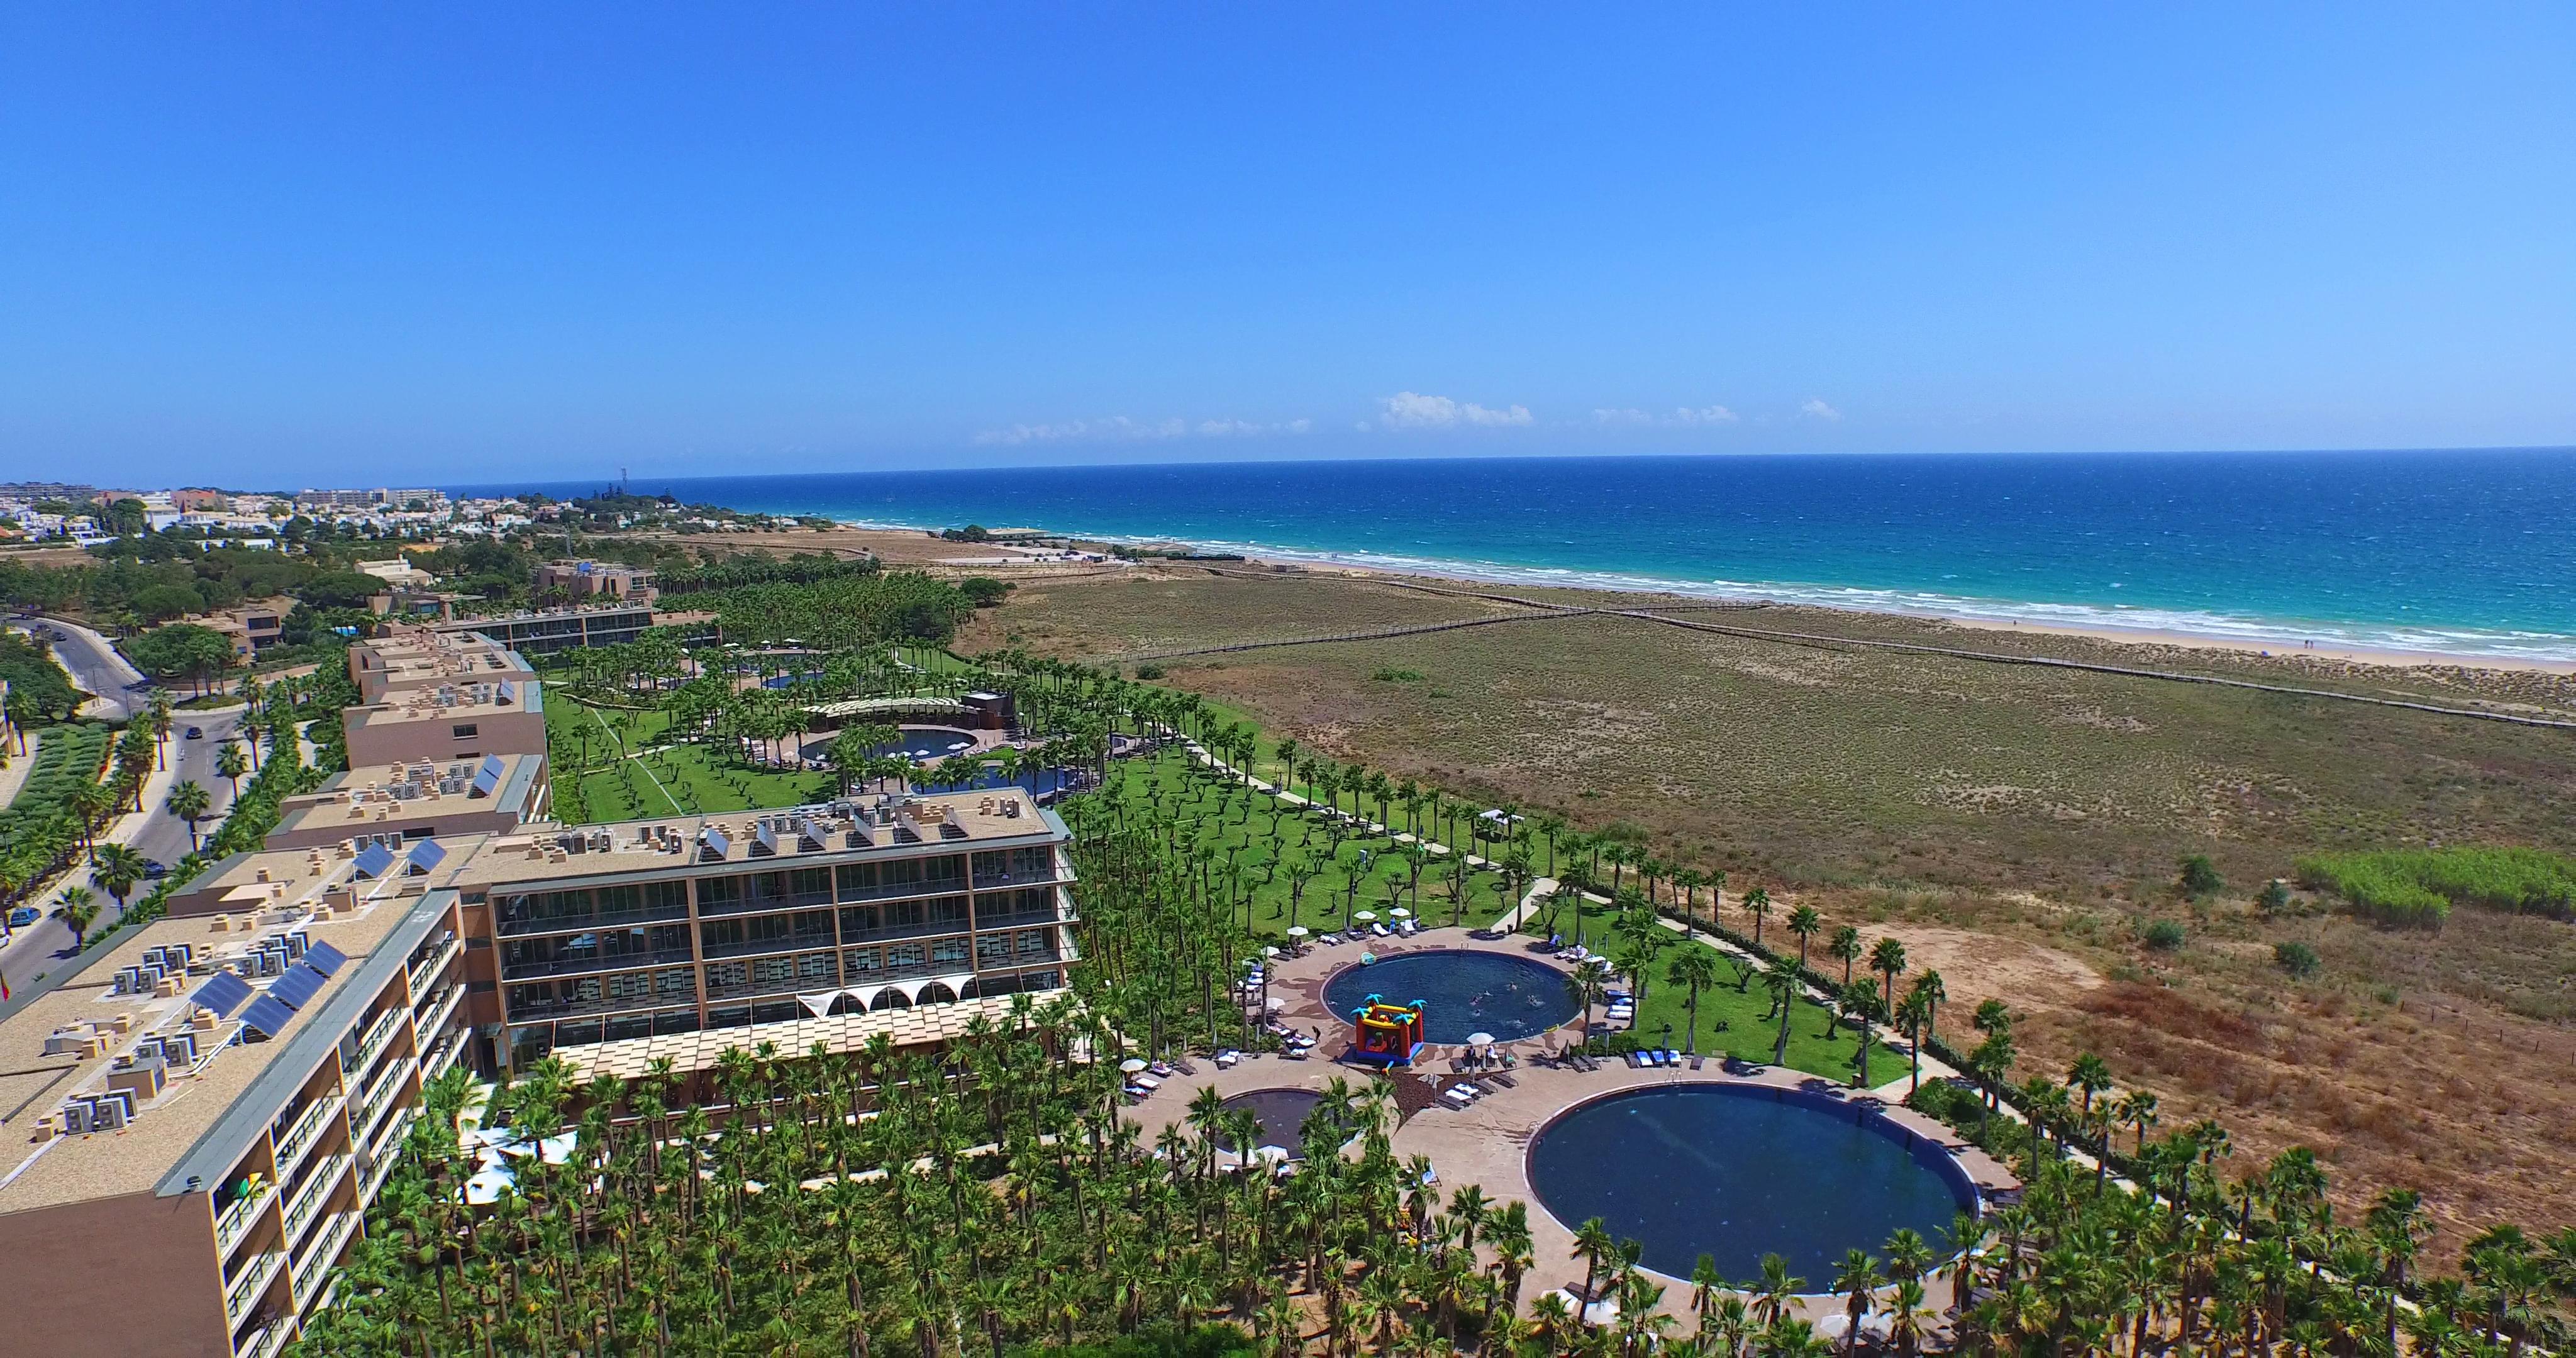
(755, 947)
(312, 1265)
(252, 1284)
(300, 1137)
(236, 1219)
(422, 974)
(382, 1092)
(890, 891)
(897, 932)
(379, 1033)
(604, 1004)
(602, 919)
(581, 966)
(755, 986)
(315, 1191)
(1018, 919)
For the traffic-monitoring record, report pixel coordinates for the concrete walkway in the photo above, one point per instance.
(14, 777)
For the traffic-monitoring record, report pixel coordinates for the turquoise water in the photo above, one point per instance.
(2466, 553)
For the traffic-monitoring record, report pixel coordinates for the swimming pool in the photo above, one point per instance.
(1462, 992)
(1283, 1114)
(1738, 1171)
(928, 742)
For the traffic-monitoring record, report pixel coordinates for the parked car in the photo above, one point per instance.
(23, 916)
(154, 869)
(196, 733)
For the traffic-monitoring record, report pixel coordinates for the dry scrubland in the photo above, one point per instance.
(2017, 826)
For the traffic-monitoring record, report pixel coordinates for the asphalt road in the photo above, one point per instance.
(94, 665)
(47, 943)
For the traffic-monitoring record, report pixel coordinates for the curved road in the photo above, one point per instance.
(44, 945)
(94, 664)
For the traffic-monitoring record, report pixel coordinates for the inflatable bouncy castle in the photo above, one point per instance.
(1386, 1034)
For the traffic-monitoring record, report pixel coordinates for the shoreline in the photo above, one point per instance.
(1888, 603)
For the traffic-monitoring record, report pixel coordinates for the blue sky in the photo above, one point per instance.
(263, 245)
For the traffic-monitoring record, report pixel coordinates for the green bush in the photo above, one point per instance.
(2200, 876)
(2298, 959)
(2163, 935)
(2418, 887)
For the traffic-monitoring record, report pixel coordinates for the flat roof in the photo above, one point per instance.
(384, 798)
(168, 1128)
(653, 848)
(479, 699)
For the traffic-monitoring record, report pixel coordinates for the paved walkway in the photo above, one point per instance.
(14, 777)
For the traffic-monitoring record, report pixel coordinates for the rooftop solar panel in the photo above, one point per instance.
(425, 855)
(486, 782)
(509, 692)
(324, 958)
(715, 842)
(223, 994)
(768, 838)
(374, 859)
(297, 987)
(267, 1017)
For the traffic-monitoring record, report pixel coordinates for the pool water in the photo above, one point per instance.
(1740, 1171)
(1462, 992)
(928, 742)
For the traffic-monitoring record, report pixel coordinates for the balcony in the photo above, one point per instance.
(603, 1004)
(443, 1056)
(428, 971)
(252, 1285)
(313, 1265)
(442, 1006)
(386, 1091)
(268, 1340)
(372, 1045)
(316, 1191)
(755, 905)
(608, 919)
(301, 1137)
(764, 946)
(237, 1219)
(893, 933)
(577, 966)
(385, 1155)
(1022, 920)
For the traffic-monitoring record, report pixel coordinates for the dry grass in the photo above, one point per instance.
(2017, 824)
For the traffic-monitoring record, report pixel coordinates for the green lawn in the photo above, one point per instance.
(1740, 1022)
(1263, 836)
(594, 782)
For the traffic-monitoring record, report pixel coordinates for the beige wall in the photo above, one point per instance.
(376, 736)
(115, 1276)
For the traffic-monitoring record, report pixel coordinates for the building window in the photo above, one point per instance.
(948, 952)
(465, 730)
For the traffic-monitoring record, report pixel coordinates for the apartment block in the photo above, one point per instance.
(448, 724)
(198, 1117)
(596, 580)
(407, 658)
(395, 804)
(561, 629)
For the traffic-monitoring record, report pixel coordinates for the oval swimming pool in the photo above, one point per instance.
(1462, 992)
(1740, 1171)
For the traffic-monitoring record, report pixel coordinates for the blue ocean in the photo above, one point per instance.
(2456, 552)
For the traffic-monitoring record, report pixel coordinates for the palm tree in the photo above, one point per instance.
(1845, 948)
(1857, 1277)
(1594, 1245)
(1783, 985)
(231, 764)
(77, 907)
(1804, 922)
(117, 869)
(1694, 968)
(1591, 982)
(1861, 1004)
(1758, 902)
(1887, 958)
(190, 802)
(1775, 1292)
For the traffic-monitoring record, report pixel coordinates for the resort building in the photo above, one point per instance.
(448, 724)
(252, 629)
(406, 657)
(193, 1122)
(614, 945)
(396, 804)
(596, 580)
(562, 629)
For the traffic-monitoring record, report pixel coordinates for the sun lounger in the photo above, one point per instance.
(1161, 1068)
(1225, 1059)
(1636, 1060)
(1137, 1093)
(1147, 1083)
(1697, 1061)
(1380, 930)
(1185, 1068)
(1504, 1080)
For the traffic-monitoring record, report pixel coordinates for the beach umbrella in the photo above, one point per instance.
(1296, 931)
(1270, 952)
(1480, 1039)
(1131, 1066)
(486, 1188)
(1366, 917)
(1277, 1004)
(1400, 912)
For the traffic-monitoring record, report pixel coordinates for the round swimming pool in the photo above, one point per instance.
(928, 742)
(1462, 992)
(1740, 1171)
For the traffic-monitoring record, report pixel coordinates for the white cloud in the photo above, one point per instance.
(1818, 410)
(1412, 410)
(1123, 429)
(1686, 416)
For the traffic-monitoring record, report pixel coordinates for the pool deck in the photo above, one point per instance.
(1487, 1143)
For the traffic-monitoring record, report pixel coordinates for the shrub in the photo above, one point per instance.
(2200, 876)
(2298, 959)
(1149, 671)
(984, 591)
(2418, 887)
(1392, 676)
(2163, 935)
(2275, 897)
